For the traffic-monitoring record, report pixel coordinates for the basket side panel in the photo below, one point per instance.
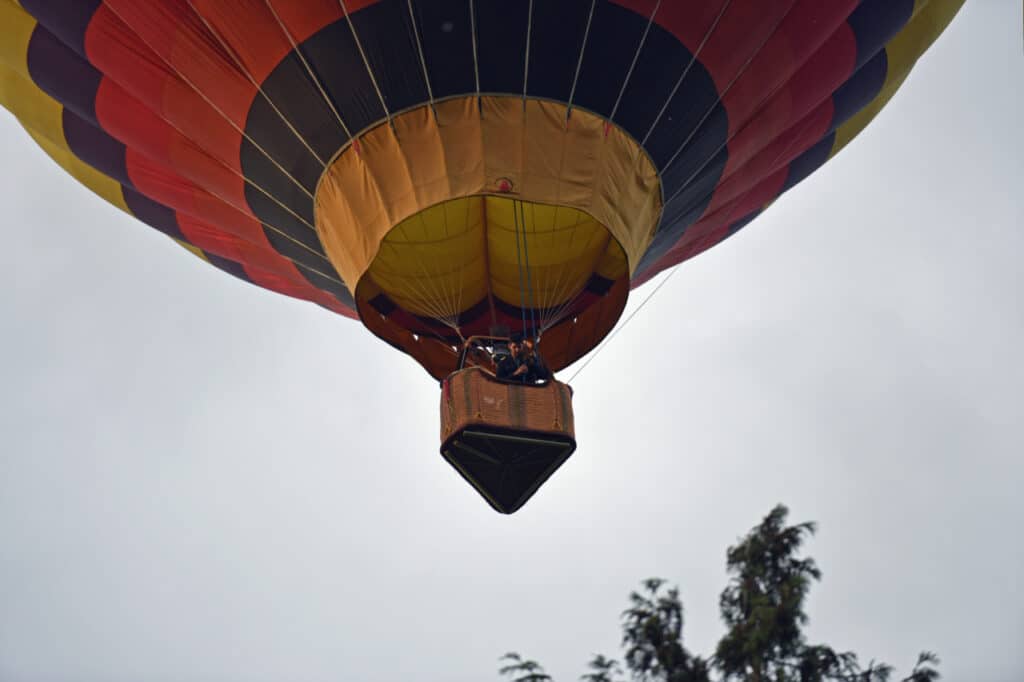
(472, 396)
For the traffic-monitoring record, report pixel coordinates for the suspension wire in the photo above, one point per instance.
(579, 62)
(686, 71)
(431, 300)
(543, 288)
(636, 58)
(546, 291)
(428, 286)
(446, 286)
(732, 209)
(476, 62)
(191, 85)
(547, 285)
(526, 59)
(519, 262)
(366, 61)
(529, 283)
(556, 317)
(721, 95)
(572, 289)
(423, 59)
(464, 257)
(544, 275)
(563, 285)
(618, 329)
(309, 69)
(240, 65)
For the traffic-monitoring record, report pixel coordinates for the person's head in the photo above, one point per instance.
(529, 343)
(515, 343)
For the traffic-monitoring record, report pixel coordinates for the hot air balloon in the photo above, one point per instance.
(441, 170)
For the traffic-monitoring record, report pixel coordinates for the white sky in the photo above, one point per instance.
(203, 481)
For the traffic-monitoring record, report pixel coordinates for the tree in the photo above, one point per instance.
(763, 610)
(519, 669)
(652, 634)
(763, 606)
(604, 670)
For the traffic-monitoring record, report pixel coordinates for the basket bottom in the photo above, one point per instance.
(506, 466)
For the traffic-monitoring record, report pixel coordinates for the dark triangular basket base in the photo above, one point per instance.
(506, 466)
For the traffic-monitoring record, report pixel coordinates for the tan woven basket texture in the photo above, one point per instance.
(474, 396)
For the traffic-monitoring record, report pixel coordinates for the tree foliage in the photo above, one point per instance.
(763, 610)
(763, 605)
(519, 669)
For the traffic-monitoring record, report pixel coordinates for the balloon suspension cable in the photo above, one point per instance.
(562, 289)
(618, 329)
(529, 280)
(728, 216)
(519, 263)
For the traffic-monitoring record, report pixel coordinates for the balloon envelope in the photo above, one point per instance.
(437, 168)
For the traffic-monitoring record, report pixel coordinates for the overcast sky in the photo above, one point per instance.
(203, 481)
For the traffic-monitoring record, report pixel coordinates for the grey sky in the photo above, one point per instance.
(202, 481)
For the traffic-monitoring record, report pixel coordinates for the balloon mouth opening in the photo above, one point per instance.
(487, 211)
(465, 266)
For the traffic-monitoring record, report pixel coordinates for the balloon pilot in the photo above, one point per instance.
(517, 360)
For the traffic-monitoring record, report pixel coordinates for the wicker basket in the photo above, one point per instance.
(475, 396)
(505, 438)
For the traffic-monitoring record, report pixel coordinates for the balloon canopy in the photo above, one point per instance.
(436, 168)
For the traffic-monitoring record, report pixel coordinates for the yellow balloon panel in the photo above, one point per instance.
(432, 264)
(558, 248)
(450, 257)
